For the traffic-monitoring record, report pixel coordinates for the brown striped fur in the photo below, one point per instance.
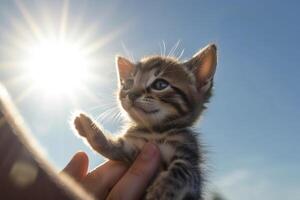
(163, 97)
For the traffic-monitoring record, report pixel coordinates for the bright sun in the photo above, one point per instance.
(56, 67)
(55, 55)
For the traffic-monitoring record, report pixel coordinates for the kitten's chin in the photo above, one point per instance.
(143, 113)
(143, 117)
(145, 110)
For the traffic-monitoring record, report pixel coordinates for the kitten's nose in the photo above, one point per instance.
(133, 96)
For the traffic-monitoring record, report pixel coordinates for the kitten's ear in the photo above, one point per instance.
(124, 67)
(203, 64)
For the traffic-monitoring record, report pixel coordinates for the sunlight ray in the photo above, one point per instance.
(64, 19)
(29, 20)
(20, 39)
(96, 45)
(76, 28)
(87, 34)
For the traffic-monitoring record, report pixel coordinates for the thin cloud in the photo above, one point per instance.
(248, 184)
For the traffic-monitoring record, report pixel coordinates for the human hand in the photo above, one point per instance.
(113, 180)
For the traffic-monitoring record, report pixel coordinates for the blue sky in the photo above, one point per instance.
(251, 127)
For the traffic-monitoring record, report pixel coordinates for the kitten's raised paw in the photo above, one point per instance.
(81, 122)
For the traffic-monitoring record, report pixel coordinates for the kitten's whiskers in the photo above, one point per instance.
(181, 54)
(164, 45)
(174, 48)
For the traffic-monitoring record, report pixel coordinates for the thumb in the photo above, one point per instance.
(78, 166)
(134, 183)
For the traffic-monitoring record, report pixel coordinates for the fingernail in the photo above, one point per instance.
(148, 151)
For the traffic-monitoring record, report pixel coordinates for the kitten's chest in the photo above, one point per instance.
(165, 142)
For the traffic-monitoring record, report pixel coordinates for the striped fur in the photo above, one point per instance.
(163, 98)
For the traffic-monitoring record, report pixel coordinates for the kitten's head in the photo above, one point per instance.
(160, 92)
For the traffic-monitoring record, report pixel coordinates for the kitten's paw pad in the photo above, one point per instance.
(82, 123)
(78, 126)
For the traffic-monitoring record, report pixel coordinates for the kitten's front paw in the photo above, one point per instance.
(161, 189)
(81, 122)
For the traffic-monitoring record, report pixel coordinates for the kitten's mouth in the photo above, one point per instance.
(145, 110)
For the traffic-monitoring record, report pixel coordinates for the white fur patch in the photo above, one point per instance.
(167, 151)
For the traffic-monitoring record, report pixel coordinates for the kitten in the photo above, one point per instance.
(163, 97)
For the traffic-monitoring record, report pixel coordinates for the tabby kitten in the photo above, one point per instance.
(163, 98)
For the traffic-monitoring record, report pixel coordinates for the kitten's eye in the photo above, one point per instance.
(127, 84)
(160, 84)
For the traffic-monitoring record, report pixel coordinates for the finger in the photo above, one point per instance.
(100, 181)
(78, 166)
(135, 181)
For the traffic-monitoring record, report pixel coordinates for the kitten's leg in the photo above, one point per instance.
(181, 181)
(118, 149)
